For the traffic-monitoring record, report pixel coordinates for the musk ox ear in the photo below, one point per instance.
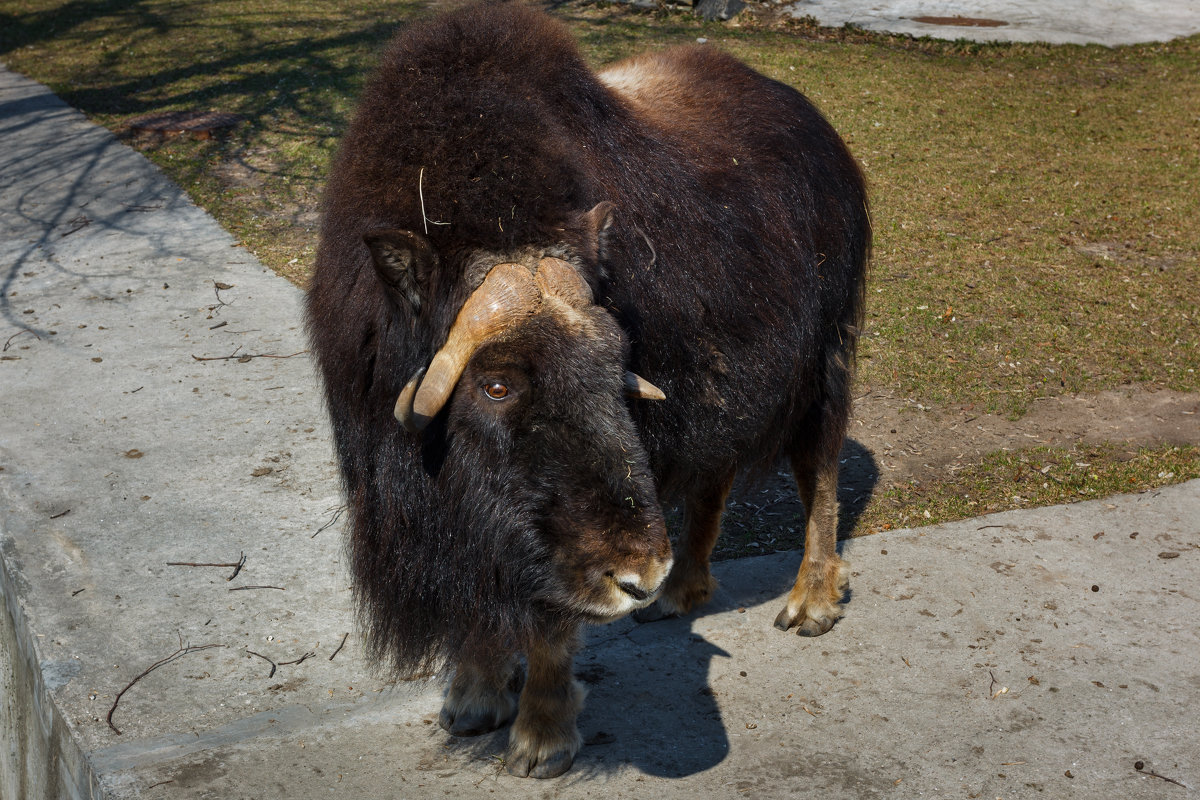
(404, 260)
(596, 225)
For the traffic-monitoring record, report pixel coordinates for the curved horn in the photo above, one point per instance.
(404, 403)
(637, 386)
(507, 295)
(557, 277)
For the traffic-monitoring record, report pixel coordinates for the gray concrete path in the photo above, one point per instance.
(1108, 22)
(156, 410)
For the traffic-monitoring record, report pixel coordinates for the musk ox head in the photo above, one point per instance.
(528, 397)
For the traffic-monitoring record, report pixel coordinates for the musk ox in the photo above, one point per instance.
(549, 302)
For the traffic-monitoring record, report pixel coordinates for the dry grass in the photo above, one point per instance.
(1036, 207)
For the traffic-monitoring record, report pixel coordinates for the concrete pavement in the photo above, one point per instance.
(1107, 22)
(153, 416)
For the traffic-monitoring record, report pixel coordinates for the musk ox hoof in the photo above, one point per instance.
(653, 612)
(549, 766)
(809, 619)
(533, 757)
(809, 626)
(475, 705)
(475, 721)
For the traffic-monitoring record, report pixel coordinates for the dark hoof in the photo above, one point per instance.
(809, 626)
(783, 620)
(815, 627)
(549, 767)
(652, 613)
(470, 724)
(475, 719)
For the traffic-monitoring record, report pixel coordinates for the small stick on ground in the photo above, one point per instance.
(18, 333)
(998, 692)
(246, 356)
(340, 646)
(337, 514)
(237, 566)
(243, 588)
(274, 666)
(1141, 768)
(299, 660)
(180, 653)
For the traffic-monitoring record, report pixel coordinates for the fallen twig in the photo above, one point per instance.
(60, 514)
(237, 566)
(337, 514)
(340, 646)
(299, 660)
(8, 342)
(269, 661)
(80, 223)
(246, 356)
(998, 692)
(1141, 767)
(180, 653)
(243, 588)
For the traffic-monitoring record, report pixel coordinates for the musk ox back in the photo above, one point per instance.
(546, 303)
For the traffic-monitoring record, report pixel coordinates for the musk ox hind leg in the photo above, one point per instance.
(481, 698)
(814, 603)
(544, 739)
(690, 583)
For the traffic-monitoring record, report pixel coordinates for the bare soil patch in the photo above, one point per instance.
(912, 442)
(894, 442)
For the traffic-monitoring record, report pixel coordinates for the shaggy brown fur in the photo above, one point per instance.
(728, 271)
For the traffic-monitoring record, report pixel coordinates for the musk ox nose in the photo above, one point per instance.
(631, 585)
(633, 590)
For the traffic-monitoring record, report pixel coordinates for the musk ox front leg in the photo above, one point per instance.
(481, 698)
(690, 583)
(814, 603)
(544, 739)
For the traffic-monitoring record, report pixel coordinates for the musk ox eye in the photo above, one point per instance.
(496, 391)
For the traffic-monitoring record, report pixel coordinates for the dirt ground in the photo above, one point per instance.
(912, 442)
(894, 442)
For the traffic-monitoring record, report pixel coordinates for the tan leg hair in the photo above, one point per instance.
(544, 739)
(480, 699)
(814, 603)
(690, 583)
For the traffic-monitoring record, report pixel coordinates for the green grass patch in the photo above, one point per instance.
(1035, 206)
(1039, 476)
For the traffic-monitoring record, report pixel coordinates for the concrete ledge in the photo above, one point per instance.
(121, 452)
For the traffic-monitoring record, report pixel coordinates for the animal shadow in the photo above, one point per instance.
(650, 703)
